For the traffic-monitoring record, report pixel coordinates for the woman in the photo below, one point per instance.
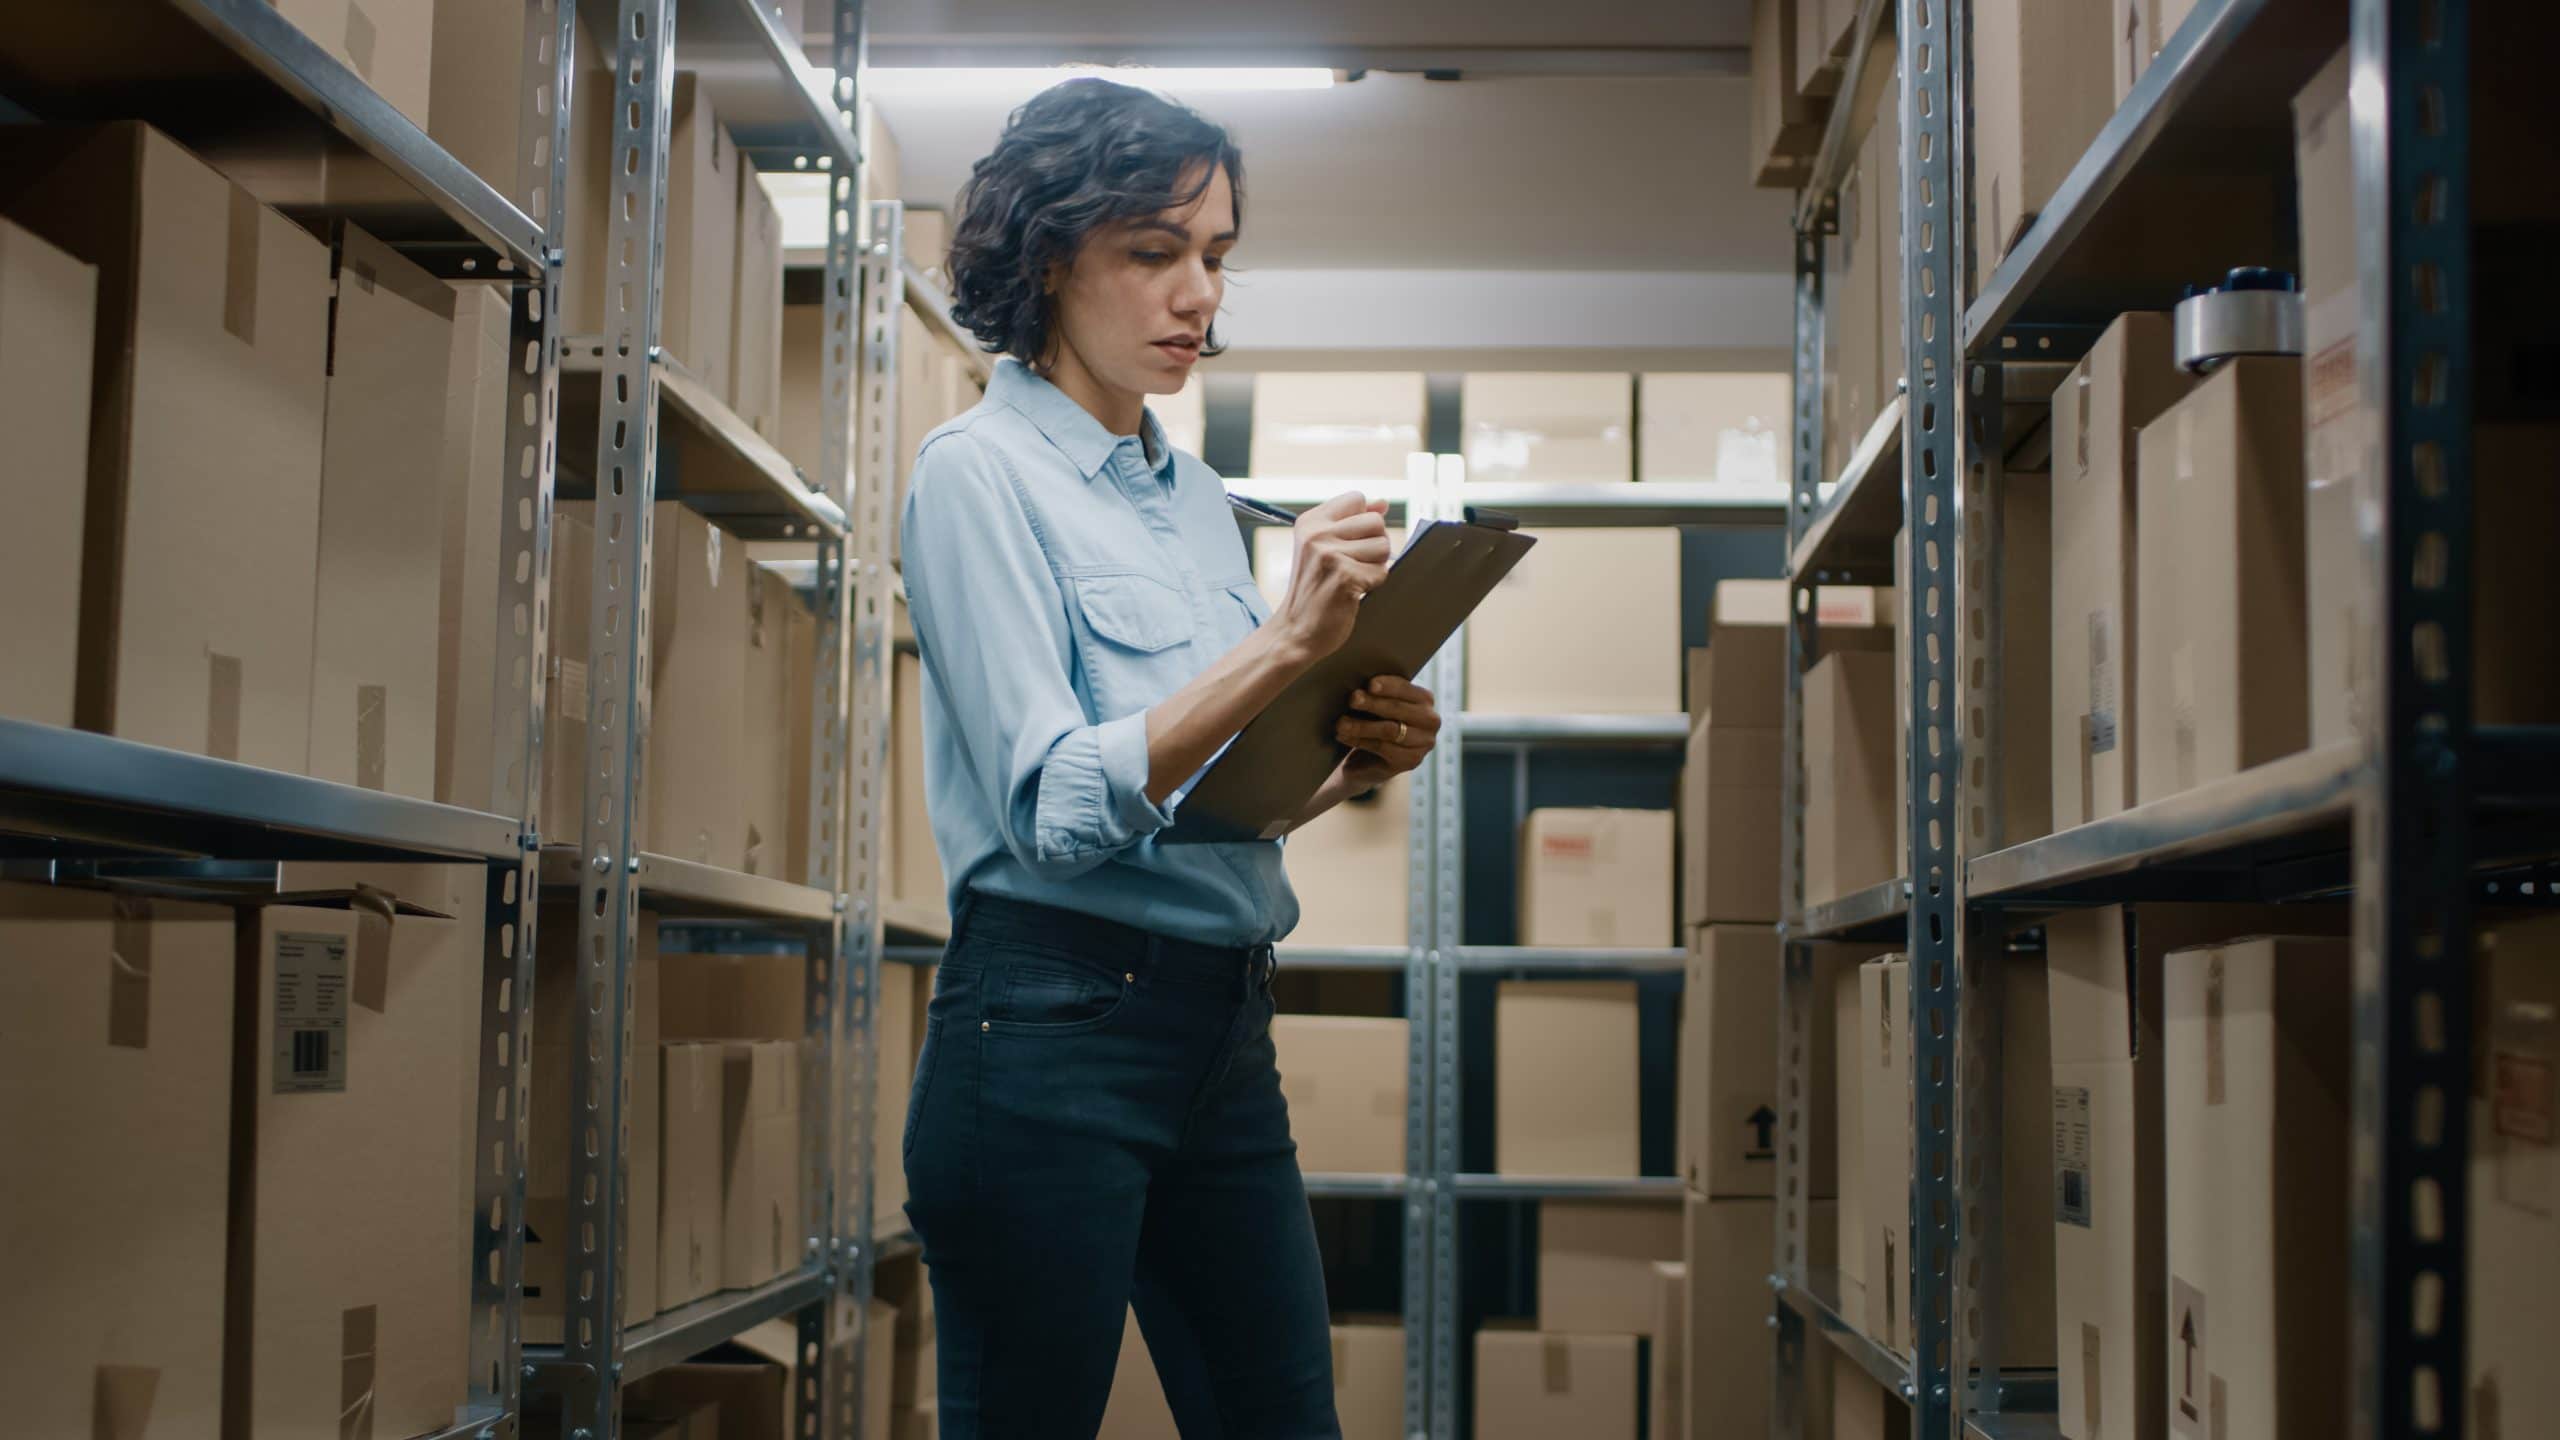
(1097, 1118)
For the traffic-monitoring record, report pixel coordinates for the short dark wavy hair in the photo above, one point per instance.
(1080, 155)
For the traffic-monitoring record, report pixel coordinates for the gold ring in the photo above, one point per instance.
(1400, 729)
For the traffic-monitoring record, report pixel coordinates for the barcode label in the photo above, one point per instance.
(2071, 1147)
(310, 1014)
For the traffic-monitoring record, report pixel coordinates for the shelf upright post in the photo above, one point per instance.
(1422, 1196)
(1796, 1000)
(1931, 336)
(2412, 910)
(1445, 792)
(511, 899)
(847, 770)
(633, 266)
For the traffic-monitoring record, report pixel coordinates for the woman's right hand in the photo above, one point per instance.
(1340, 555)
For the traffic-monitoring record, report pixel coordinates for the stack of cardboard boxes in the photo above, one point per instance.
(1368, 1383)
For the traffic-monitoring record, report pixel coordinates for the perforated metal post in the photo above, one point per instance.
(2412, 967)
(617, 671)
(1930, 343)
(1448, 910)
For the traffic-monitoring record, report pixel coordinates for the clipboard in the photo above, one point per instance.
(1277, 762)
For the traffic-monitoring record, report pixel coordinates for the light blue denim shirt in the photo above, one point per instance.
(1061, 584)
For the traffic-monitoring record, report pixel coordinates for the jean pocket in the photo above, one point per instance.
(1039, 994)
(926, 1054)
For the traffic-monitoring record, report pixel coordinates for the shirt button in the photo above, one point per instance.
(1129, 976)
(984, 1027)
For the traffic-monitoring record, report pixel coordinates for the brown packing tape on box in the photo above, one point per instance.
(129, 975)
(222, 706)
(121, 1409)
(370, 984)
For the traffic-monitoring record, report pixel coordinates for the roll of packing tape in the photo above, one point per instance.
(2254, 312)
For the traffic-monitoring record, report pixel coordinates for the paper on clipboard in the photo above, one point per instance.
(1275, 765)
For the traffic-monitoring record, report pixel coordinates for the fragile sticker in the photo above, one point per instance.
(311, 993)
(2071, 1145)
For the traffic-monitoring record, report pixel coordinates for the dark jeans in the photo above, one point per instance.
(1096, 1123)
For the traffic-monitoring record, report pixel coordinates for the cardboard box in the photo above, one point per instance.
(698, 683)
(2025, 746)
(1726, 1331)
(769, 759)
(699, 277)
(1723, 429)
(1595, 1264)
(1344, 1078)
(1137, 1409)
(1786, 123)
(1839, 1007)
(2040, 95)
(762, 1232)
(2138, 29)
(2513, 1287)
(1529, 649)
(48, 327)
(2025, 1298)
(1861, 1409)
(800, 707)
(2255, 1039)
(1596, 877)
(2125, 381)
(735, 997)
(749, 1394)
(1745, 675)
(1729, 1123)
(1565, 1077)
(927, 235)
(1569, 427)
(1667, 1401)
(1849, 734)
(374, 645)
(550, 1142)
(388, 45)
(1536, 1386)
(879, 1356)
(755, 309)
(1852, 320)
(476, 87)
(1729, 795)
(1350, 426)
(207, 393)
(915, 858)
(689, 1196)
(1368, 1377)
(565, 708)
(358, 1101)
(481, 538)
(2219, 587)
(893, 1049)
(1348, 869)
(803, 395)
(1884, 1009)
(117, 1122)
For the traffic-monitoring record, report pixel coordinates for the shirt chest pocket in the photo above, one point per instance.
(1133, 642)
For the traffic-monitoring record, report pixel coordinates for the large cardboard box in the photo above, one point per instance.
(750, 1394)
(2040, 95)
(2121, 385)
(1565, 1077)
(1884, 1008)
(689, 1192)
(755, 309)
(1726, 1331)
(1729, 794)
(388, 45)
(1729, 1063)
(2255, 1039)
(696, 771)
(1348, 869)
(699, 278)
(207, 391)
(550, 1143)
(893, 1051)
(915, 859)
(1723, 429)
(1849, 742)
(1861, 1409)
(1536, 1386)
(762, 1232)
(1596, 877)
(1560, 426)
(1529, 645)
(356, 1111)
(1137, 1409)
(2219, 587)
(776, 624)
(1368, 1377)
(2514, 1280)
(735, 997)
(1744, 673)
(476, 94)
(481, 538)
(1345, 1081)
(1667, 1397)
(374, 646)
(115, 1110)
(2026, 646)
(48, 325)
(1838, 1006)
(1595, 1264)
(1786, 122)
(1356, 427)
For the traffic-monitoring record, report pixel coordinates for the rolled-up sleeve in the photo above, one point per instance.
(991, 623)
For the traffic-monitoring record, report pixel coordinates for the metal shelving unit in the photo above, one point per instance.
(2410, 826)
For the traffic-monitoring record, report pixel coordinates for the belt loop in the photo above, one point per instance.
(960, 919)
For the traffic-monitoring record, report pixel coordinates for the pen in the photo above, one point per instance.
(1268, 514)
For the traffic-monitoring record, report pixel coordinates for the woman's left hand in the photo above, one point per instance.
(1391, 728)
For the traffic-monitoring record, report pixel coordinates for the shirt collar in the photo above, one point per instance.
(1085, 442)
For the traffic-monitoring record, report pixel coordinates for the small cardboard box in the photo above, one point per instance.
(2256, 1038)
(208, 386)
(1596, 877)
(374, 647)
(696, 770)
(1786, 123)
(1529, 645)
(1729, 794)
(1348, 869)
(1837, 1007)
(116, 1078)
(1368, 1377)
(48, 325)
(1357, 427)
(1849, 730)
(1884, 1008)
(357, 1102)
(701, 258)
(893, 1050)
(388, 45)
(1565, 1077)
(2040, 95)
(1712, 428)
(1668, 1396)
(2121, 385)
(2514, 1281)
(762, 1232)
(1595, 1264)
(1536, 1386)
(1344, 1078)
(1729, 1063)
(475, 752)
(1570, 427)
(755, 309)
(1744, 670)
(2219, 589)
(689, 1194)
(777, 623)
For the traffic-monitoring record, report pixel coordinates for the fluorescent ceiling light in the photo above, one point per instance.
(956, 82)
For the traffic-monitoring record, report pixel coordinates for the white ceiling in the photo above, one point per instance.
(1490, 172)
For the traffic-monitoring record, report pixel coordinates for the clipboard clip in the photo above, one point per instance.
(1492, 519)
